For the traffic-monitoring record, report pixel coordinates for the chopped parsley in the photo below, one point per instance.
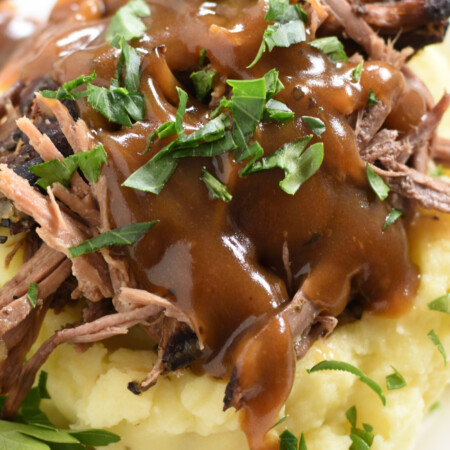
(437, 342)
(126, 235)
(32, 294)
(250, 101)
(217, 189)
(122, 102)
(373, 99)
(395, 380)
(203, 81)
(32, 430)
(332, 47)
(127, 21)
(392, 217)
(315, 124)
(346, 367)
(56, 171)
(356, 74)
(378, 185)
(297, 163)
(66, 91)
(288, 27)
(441, 304)
(288, 441)
(276, 110)
(362, 438)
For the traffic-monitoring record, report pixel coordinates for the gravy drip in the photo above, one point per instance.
(222, 263)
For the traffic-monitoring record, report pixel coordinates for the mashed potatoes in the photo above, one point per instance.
(90, 389)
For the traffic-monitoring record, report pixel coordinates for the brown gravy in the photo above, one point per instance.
(222, 263)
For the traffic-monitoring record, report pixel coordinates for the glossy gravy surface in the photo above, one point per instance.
(223, 263)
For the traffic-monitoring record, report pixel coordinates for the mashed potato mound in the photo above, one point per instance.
(185, 411)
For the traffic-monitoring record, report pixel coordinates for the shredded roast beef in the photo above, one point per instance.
(37, 129)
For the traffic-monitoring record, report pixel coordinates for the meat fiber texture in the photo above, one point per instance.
(185, 411)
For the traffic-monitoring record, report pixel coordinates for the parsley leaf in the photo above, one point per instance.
(378, 185)
(116, 104)
(65, 92)
(331, 46)
(276, 110)
(153, 175)
(203, 81)
(288, 29)
(346, 367)
(373, 99)
(358, 443)
(32, 294)
(441, 304)
(392, 218)
(302, 443)
(201, 61)
(130, 62)
(298, 165)
(437, 342)
(363, 437)
(434, 406)
(395, 380)
(247, 107)
(56, 171)
(126, 235)
(273, 83)
(127, 21)
(32, 429)
(121, 103)
(317, 126)
(282, 420)
(356, 74)
(217, 189)
(288, 441)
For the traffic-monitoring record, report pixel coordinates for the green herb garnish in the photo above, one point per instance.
(126, 235)
(247, 106)
(217, 189)
(288, 441)
(56, 171)
(302, 443)
(276, 110)
(356, 74)
(378, 185)
(434, 406)
(297, 164)
(373, 99)
(66, 91)
(127, 21)
(346, 367)
(359, 436)
(441, 304)
(437, 342)
(120, 103)
(316, 125)
(438, 171)
(32, 430)
(395, 380)
(331, 46)
(203, 81)
(288, 27)
(32, 294)
(392, 217)
(358, 443)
